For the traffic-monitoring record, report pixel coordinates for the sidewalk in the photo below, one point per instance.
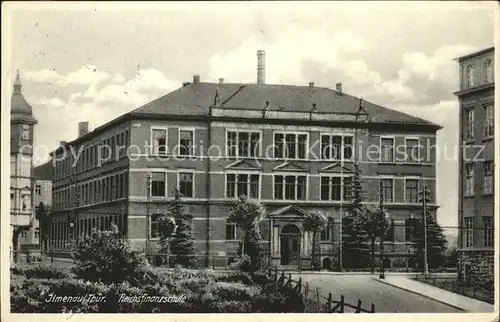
(458, 301)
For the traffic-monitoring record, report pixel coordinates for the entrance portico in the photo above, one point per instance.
(290, 243)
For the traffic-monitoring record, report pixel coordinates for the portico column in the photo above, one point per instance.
(306, 244)
(276, 240)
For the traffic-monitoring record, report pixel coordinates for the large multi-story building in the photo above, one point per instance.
(22, 122)
(476, 188)
(292, 147)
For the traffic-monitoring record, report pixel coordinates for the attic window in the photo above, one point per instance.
(25, 132)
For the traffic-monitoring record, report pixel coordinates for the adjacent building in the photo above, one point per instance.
(476, 184)
(22, 220)
(43, 175)
(291, 147)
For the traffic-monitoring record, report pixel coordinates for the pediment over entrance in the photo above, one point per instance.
(289, 211)
(337, 168)
(243, 165)
(289, 166)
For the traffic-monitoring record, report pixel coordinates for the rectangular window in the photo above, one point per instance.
(336, 188)
(489, 121)
(412, 150)
(290, 187)
(469, 179)
(488, 231)
(186, 184)
(326, 233)
(386, 150)
(230, 231)
(38, 189)
(290, 146)
(242, 184)
(25, 132)
(243, 144)
(158, 184)
(336, 147)
(154, 233)
(469, 119)
(186, 142)
(388, 190)
(469, 231)
(411, 190)
(488, 177)
(159, 138)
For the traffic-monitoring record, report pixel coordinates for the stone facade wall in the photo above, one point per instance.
(477, 267)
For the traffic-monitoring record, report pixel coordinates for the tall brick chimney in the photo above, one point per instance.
(83, 128)
(261, 67)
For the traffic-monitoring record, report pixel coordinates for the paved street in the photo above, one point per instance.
(387, 299)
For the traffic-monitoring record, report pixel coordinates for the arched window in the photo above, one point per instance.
(470, 73)
(488, 71)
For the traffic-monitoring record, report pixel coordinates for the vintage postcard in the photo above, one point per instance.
(252, 157)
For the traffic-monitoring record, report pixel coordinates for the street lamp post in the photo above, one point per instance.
(148, 201)
(424, 210)
(382, 230)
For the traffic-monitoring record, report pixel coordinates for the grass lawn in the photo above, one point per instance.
(452, 285)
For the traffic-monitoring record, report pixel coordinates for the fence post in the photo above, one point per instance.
(328, 305)
(358, 307)
(213, 262)
(341, 303)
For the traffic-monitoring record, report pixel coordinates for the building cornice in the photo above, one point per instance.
(475, 89)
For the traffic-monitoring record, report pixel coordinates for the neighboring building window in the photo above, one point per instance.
(326, 233)
(489, 121)
(469, 179)
(159, 138)
(242, 184)
(290, 187)
(290, 146)
(471, 75)
(388, 190)
(158, 184)
(336, 147)
(24, 234)
(488, 177)
(389, 234)
(186, 144)
(25, 132)
(186, 184)
(154, 233)
(411, 190)
(410, 225)
(469, 114)
(335, 188)
(469, 231)
(230, 231)
(488, 70)
(38, 189)
(412, 150)
(37, 233)
(386, 150)
(488, 231)
(243, 144)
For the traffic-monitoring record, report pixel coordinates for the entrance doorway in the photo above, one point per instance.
(290, 245)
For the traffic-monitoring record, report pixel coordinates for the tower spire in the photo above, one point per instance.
(17, 84)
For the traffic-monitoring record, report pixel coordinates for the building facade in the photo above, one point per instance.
(291, 147)
(476, 188)
(22, 122)
(43, 175)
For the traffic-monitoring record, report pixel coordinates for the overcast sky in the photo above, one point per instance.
(98, 63)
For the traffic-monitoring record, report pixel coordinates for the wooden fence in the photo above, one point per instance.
(314, 299)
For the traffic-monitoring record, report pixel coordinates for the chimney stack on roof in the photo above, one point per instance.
(221, 80)
(338, 88)
(311, 85)
(62, 143)
(83, 128)
(196, 79)
(261, 67)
